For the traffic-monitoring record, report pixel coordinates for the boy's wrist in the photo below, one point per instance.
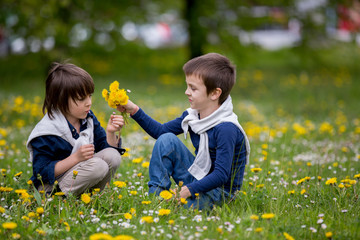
(135, 109)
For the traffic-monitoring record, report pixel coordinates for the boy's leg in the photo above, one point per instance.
(90, 172)
(113, 158)
(208, 200)
(170, 157)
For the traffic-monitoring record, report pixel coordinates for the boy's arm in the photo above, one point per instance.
(151, 126)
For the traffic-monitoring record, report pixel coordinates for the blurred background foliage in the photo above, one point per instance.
(284, 50)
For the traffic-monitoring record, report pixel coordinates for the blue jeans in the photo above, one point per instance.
(171, 158)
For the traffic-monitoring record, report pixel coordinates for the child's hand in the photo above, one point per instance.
(116, 122)
(85, 152)
(130, 107)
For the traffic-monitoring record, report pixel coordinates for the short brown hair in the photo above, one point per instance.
(63, 82)
(215, 70)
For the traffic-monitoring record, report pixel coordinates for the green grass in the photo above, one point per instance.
(303, 121)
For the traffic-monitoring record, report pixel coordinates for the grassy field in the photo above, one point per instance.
(300, 112)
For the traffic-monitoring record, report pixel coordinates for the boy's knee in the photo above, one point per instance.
(98, 169)
(112, 157)
(167, 138)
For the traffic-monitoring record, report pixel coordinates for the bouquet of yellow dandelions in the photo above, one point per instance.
(115, 97)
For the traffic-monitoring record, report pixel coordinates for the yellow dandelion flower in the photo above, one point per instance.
(341, 185)
(127, 216)
(123, 237)
(183, 201)
(114, 86)
(26, 218)
(259, 229)
(357, 176)
(40, 210)
(29, 182)
(67, 226)
(319, 178)
(171, 222)
(133, 211)
(59, 194)
(133, 193)
(16, 236)
(303, 191)
(105, 93)
(85, 198)
(145, 164)
(120, 196)
(41, 232)
(331, 181)
(147, 219)
(219, 230)
(120, 184)
(163, 212)
(166, 194)
(2, 210)
(287, 236)
(255, 170)
(137, 160)
(254, 217)
(267, 216)
(100, 236)
(146, 202)
(31, 214)
(291, 192)
(9, 225)
(328, 234)
(260, 186)
(18, 174)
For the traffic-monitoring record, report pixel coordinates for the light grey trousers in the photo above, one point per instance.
(92, 173)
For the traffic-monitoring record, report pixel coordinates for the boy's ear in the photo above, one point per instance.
(215, 94)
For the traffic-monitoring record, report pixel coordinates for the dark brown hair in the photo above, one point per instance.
(215, 70)
(63, 82)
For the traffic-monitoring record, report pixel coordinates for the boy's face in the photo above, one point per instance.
(197, 94)
(78, 109)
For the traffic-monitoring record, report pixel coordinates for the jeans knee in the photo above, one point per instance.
(167, 138)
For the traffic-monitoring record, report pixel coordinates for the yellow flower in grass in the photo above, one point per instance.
(26, 218)
(29, 182)
(133, 193)
(9, 225)
(291, 192)
(303, 191)
(85, 198)
(138, 160)
(146, 202)
(255, 170)
(341, 185)
(128, 216)
(2, 210)
(6, 189)
(41, 232)
(267, 216)
(123, 237)
(16, 236)
(258, 230)
(357, 176)
(331, 181)
(171, 222)
(166, 194)
(328, 234)
(183, 201)
(254, 217)
(31, 214)
(163, 212)
(120, 184)
(40, 210)
(145, 164)
(287, 236)
(260, 186)
(67, 226)
(101, 236)
(147, 219)
(59, 194)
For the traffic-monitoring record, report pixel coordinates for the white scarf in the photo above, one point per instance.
(224, 113)
(58, 126)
